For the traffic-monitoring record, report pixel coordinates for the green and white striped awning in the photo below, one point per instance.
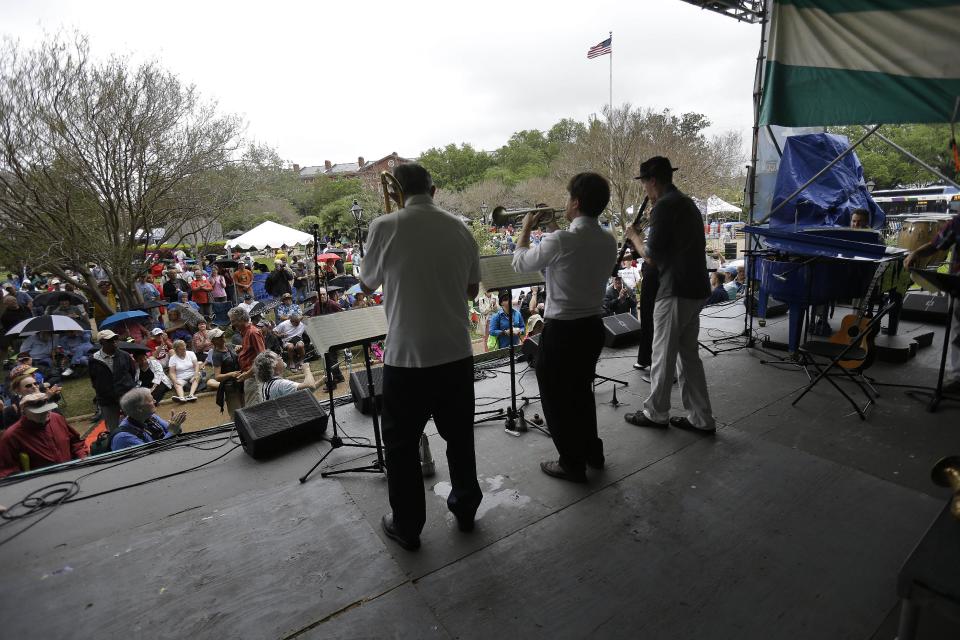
(836, 62)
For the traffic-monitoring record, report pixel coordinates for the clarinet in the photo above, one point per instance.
(623, 249)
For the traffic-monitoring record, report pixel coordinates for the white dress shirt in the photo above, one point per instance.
(424, 290)
(579, 261)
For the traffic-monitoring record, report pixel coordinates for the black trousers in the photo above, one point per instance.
(649, 286)
(566, 362)
(410, 397)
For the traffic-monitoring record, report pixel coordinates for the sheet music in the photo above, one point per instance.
(496, 272)
(332, 331)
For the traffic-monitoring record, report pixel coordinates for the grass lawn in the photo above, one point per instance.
(77, 397)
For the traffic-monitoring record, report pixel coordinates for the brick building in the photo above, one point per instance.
(369, 172)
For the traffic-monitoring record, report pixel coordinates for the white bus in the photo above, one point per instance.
(920, 201)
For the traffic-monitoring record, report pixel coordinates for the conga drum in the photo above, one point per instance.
(916, 232)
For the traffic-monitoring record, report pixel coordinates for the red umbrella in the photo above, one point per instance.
(328, 256)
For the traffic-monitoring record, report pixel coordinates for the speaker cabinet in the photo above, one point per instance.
(529, 349)
(278, 425)
(621, 330)
(925, 307)
(361, 392)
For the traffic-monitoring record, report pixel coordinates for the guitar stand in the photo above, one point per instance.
(336, 441)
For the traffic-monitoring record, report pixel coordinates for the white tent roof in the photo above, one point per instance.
(716, 205)
(270, 235)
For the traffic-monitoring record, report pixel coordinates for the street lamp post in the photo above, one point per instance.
(483, 213)
(357, 212)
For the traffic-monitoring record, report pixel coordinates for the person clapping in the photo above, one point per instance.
(142, 424)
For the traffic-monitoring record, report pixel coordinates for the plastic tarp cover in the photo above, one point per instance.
(833, 196)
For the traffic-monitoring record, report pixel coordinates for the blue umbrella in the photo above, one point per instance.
(355, 289)
(123, 315)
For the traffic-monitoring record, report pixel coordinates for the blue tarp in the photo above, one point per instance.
(830, 199)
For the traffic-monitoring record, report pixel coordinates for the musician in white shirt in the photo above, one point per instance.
(579, 261)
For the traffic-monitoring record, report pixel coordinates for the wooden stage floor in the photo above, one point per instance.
(791, 522)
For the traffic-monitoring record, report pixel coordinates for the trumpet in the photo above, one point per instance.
(392, 191)
(501, 217)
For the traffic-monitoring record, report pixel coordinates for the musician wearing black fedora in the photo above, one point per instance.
(578, 260)
(675, 247)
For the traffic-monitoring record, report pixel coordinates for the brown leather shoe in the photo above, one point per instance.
(554, 468)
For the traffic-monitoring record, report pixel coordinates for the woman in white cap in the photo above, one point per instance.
(184, 368)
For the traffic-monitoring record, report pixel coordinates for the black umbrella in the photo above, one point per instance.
(152, 304)
(45, 323)
(53, 297)
(133, 347)
(344, 281)
(227, 264)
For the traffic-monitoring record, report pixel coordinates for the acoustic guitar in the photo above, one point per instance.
(853, 329)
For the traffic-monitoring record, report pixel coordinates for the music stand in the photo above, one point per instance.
(334, 331)
(949, 284)
(497, 274)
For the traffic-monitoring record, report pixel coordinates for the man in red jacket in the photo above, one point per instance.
(39, 438)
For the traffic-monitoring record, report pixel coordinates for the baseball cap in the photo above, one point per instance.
(37, 403)
(106, 334)
(655, 166)
(287, 295)
(20, 371)
(216, 332)
(156, 331)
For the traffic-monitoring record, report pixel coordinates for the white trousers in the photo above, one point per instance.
(676, 327)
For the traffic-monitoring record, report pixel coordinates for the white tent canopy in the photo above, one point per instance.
(716, 205)
(270, 235)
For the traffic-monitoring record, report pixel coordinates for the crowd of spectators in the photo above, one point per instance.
(181, 345)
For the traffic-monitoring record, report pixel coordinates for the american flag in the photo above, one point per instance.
(601, 49)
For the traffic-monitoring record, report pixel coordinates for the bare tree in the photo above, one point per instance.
(95, 154)
(706, 165)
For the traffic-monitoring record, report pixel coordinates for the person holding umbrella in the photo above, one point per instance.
(67, 305)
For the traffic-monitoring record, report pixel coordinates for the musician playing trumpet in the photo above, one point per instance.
(578, 261)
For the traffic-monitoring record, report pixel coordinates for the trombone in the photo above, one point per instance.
(502, 217)
(392, 191)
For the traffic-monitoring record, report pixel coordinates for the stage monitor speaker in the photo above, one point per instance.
(361, 391)
(621, 330)
(274, 426)
(529, 349)
(925, 307)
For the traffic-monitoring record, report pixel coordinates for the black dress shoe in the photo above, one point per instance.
(595, 458)
(640, 419)
(684, 423)
(410, 544)
(555, 469)
(464, 522)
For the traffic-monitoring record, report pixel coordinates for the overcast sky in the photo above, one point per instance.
(336, 80)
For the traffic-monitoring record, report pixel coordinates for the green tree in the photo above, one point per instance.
(889, 168)
(92, 153)
(454, 167)
(306, 223)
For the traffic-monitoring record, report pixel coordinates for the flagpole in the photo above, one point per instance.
(610, 104)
